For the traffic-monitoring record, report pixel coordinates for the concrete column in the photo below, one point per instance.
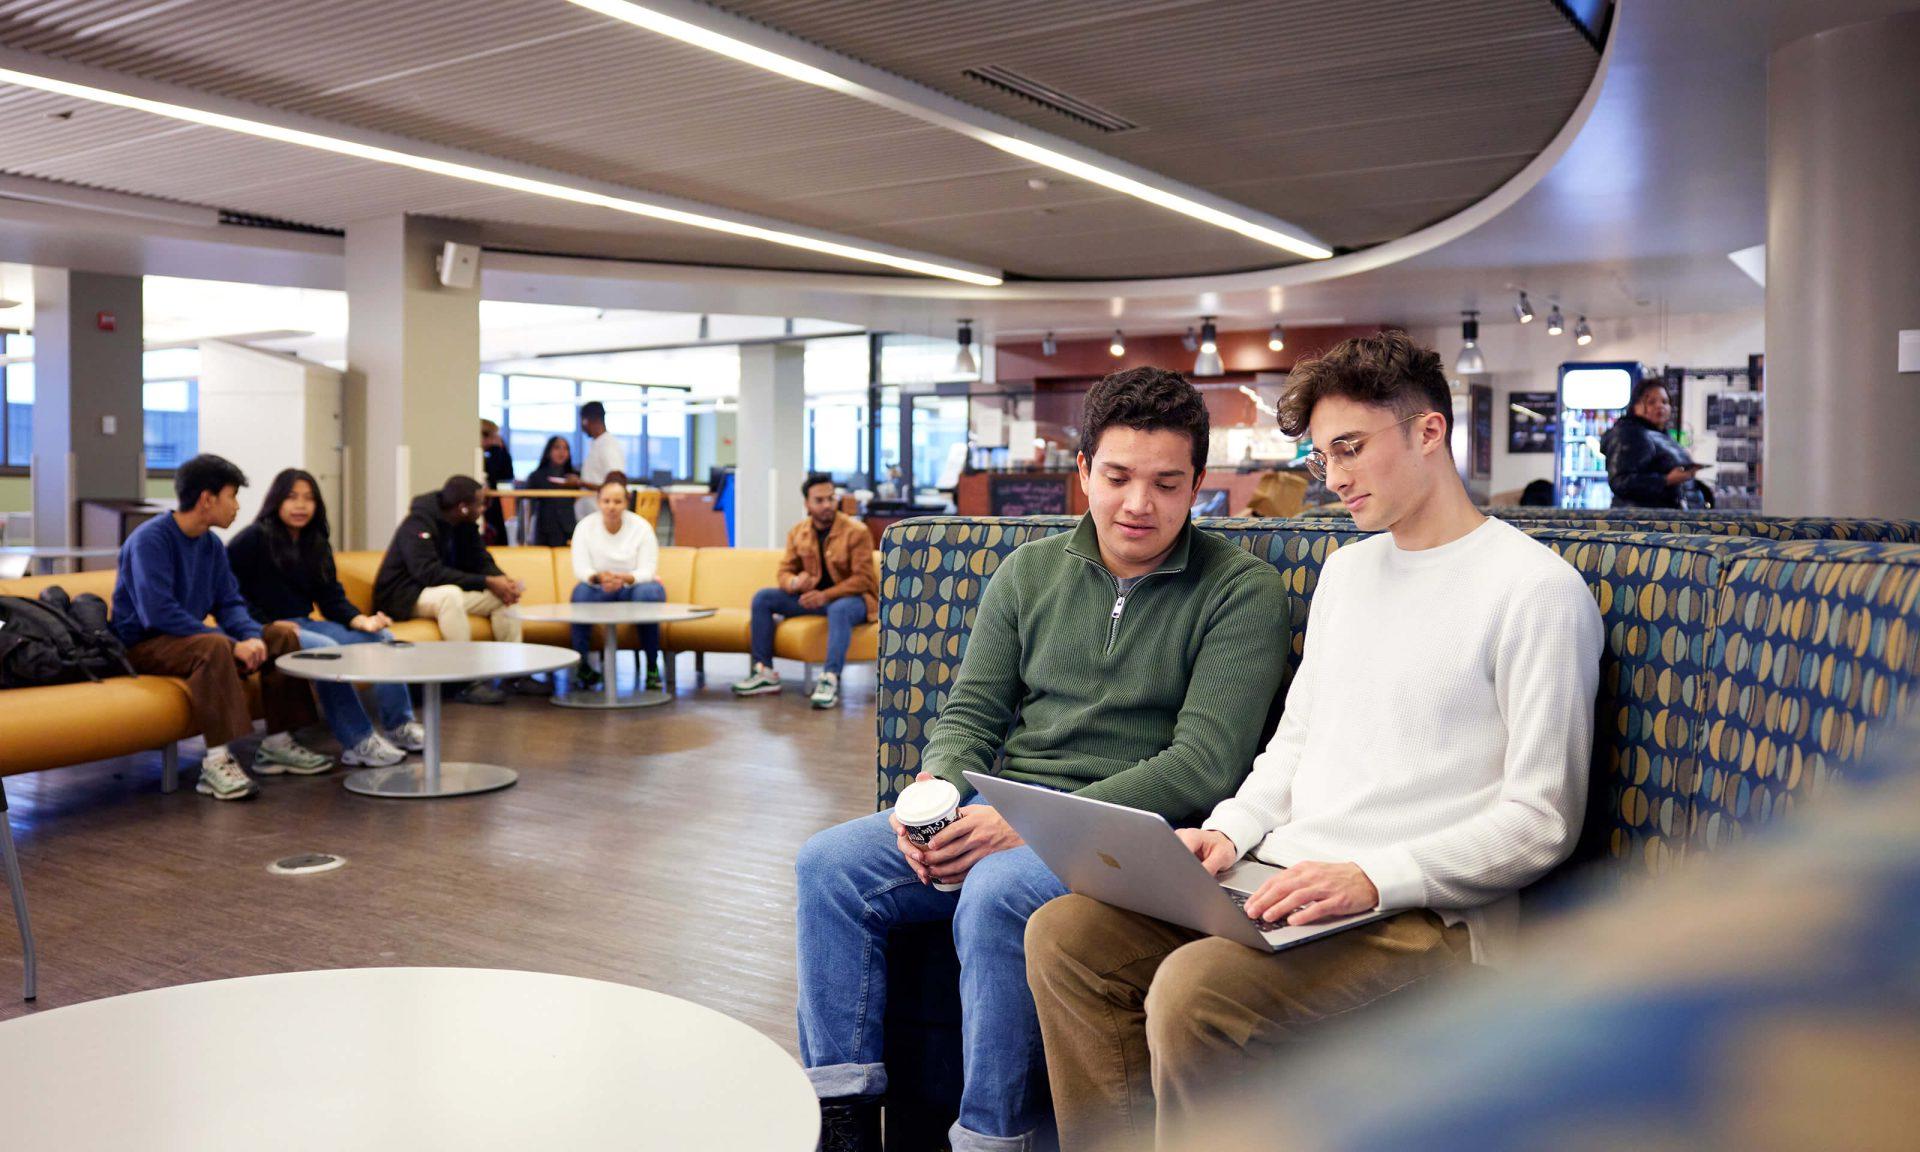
(1843, 244)
(88, 427)
(413, 373)
(771, 431)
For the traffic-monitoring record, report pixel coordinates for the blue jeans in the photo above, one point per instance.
(841, 614)
(346, 716)
(854, 887)
(650, 591)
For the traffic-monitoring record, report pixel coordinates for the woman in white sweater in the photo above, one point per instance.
(615, 556)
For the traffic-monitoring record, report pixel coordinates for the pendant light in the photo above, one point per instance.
(1049, 346)
(1208, 362)
(1582, 335)
(1471, 362)
(1118, 347)
(1276, 339)
(963, 363)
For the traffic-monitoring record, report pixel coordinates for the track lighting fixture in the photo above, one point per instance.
(1189, 341)
(1276, 339)
(1556, 323)
(1118, 347)
(1523, 311)
(1582, 334)
(1048, 345)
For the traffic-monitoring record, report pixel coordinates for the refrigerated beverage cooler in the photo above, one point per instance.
(1592, 397)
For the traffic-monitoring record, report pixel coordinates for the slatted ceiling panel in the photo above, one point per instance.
(1278, 103)
(678, 247)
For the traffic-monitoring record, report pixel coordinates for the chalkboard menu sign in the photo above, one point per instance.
(1027, 495)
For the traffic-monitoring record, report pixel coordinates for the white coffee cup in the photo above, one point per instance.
(925, 807)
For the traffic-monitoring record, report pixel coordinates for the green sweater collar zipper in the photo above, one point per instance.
(1085, 545)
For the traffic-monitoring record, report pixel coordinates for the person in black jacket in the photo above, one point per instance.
(438, 569)
(283, 562)
(498, 465)
(553, 518)
(1645, 467)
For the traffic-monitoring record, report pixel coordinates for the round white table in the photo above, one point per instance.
(398, 1060)
(610, 615)
(25, 556)
(430, 666)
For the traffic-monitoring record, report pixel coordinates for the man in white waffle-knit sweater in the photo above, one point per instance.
(1431, 761)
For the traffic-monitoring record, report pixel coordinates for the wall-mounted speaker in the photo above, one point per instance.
(458, 265)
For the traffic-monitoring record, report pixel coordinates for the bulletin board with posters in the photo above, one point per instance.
(1480, 423)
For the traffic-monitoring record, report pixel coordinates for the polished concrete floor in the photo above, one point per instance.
(651, 847)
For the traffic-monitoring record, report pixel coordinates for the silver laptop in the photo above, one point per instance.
(1132, 859)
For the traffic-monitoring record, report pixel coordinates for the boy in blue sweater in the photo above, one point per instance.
(173, 575)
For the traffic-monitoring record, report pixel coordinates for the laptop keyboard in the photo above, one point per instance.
(1240, 901)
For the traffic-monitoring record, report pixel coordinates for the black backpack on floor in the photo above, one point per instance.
(56, 641)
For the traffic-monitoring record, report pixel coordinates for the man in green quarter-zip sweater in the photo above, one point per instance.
(1132, 660)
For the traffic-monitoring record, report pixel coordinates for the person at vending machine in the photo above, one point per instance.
(1646, 468)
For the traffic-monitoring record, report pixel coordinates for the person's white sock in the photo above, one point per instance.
(218, 752)
(279, 741)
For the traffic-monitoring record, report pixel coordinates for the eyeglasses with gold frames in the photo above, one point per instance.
(1346, 451)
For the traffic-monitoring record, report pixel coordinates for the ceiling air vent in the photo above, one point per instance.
(1053, 100)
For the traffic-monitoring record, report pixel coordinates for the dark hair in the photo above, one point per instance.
(593, 410)
(1146, 400)
(1645, 385)
(288, 555)
(458, 490)
(1384, 371)
(614, 477)
(1538, 494)
(547, 450)
(205, 473)
(813, 478)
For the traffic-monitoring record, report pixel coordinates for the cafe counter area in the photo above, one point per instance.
(1039, 492)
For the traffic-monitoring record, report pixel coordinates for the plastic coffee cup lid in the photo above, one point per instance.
(924, 801)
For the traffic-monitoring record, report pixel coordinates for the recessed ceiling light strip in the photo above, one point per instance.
(24, 71)
(789, 56)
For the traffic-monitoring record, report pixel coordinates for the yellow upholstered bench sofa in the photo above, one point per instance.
(66, 724)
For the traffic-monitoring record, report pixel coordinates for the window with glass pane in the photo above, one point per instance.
(538, 408)
(493, 398)
(939, 426)
(668, 439)
(18, 421)
(836, 436)
(909, 359)
(889, 438)
(172, 421)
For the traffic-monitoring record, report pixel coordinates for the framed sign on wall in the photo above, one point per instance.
(1530, 422)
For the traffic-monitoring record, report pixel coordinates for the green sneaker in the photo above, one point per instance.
(826, 691)
(763, 681)
(222, 778)
(279, 754)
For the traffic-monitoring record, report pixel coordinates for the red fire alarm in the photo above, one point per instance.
(105, 321)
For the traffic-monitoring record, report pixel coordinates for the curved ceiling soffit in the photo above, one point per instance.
(1285, 276)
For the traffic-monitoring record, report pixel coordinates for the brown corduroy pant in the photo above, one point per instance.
(215, 682)
(1147, 1024)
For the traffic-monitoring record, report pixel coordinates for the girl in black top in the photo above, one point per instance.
(553, 518)
(283, 563)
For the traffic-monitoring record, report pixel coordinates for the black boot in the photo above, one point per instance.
(850, 1124)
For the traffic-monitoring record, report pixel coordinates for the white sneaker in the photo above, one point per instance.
(373, 752)
(278, 753)
(763, 681)
(222, 778)
(409, 737)
(826, 691)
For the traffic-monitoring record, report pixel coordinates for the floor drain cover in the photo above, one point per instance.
(306, 863)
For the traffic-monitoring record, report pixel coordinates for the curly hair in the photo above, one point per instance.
(1385, 371)
(1146, 400)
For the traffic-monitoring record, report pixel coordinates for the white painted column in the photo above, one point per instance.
(88, 419)
(413, 373)
(1843, 271)
(771, 432)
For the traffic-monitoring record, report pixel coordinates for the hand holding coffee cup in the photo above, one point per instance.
(925, 807)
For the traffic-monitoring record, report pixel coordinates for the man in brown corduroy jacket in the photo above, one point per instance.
(827, 571)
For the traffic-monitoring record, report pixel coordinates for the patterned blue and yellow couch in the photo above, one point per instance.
(1701, 523)
(1740, 674)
